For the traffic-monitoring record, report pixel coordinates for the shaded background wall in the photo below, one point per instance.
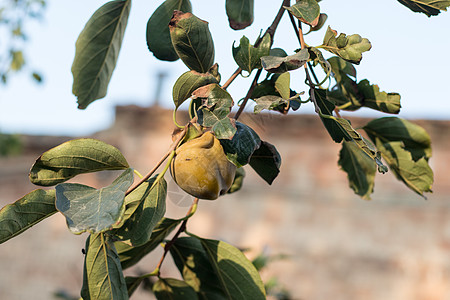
(338, 246)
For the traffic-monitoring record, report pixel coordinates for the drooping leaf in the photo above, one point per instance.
(326, 107)
(138, 228)
(428, 7)
(130, 255)
(187, 83)
(237, 275)
(276, 64)
(29, 210)
(75, 157)
(174, 289)
(89, 209)
(241, 147)
(392, 129)
(282, 85)
(417, 175)
(103, 277)
(382, 101)
(360, 142)
(247, 56)
(346, 47)
(238, 181)
(193, 264)
(97, 50)
(158, 34)
(360, 169)
(215, 110)
(322, 20)
(240, 13)
(192, 41)
(307, 11)
(266, 161)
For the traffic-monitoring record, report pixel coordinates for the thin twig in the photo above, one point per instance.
(172, 148)
(170, 243)
(249, 94)
(233, 77)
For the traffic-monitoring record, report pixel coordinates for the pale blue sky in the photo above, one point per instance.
(409, 55)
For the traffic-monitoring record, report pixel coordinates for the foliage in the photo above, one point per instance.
(126, 221)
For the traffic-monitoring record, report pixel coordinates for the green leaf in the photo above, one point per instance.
(417, 175)
(266, 161)
(19, 216)
(88, 209)
(322, 20)
(349, 47)
(193, 264)
(359, 141)
(17, 60)
(130, 255)
(103, 277)
(382, 101)
(237, 275)
(138, 228)
(241, 147)
(215, 110)
(133, 283)
(307, 11)
(192, 41)
(326, 108)
(315, 55)
(275, 64)
(282, 85)
(158, 34)
(392, 129)
(360, 169)
(174, 289)
(240, 13)
(97, 51)
(247, 56)
(275, 103)
(75, 157)
(238, 181)
(428, 7)
(187, 83)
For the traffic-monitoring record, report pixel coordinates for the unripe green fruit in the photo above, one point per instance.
(201, 168)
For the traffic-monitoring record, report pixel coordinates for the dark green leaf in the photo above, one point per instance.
(130, 255)
(192, 41)
(173, 289)
(392, 129)
(158, 34)
(103, 277)
(237, 275)
(360, 169)
(277, 52)
(188, 83)
(133, 283)
(359, 141)
(19, 216)
(382, 101)
(238, 181)
(138, 228)
(88, 209)
(241, 147)
(307, 11)
(247, 56)
(97, 50)
(266, 161)
(275, 64)
(417, 175)
(193, 264)
(215, 110)
(75, 157)
(428, 7)
(326, 107)
(349, 47)
(240, 13)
